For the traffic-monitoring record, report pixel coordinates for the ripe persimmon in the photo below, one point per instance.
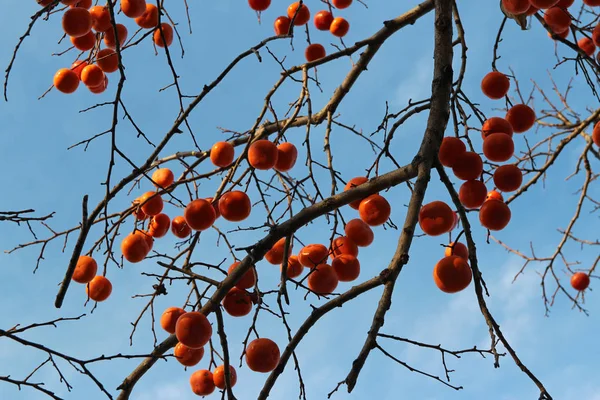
(186, 356)
(452, 274)
(99, 288)
(314, 52)
(562, 35)
(580, 281)
(66, 81)
(468, 166)
(152, 203)
(531, 10)
(45, 3)
(100, 18)
(359, 232)
(302, 13)
(133, 8)
(85, 270)
(168, 319)
(202, 382)
(313, 255)
(180, 228)
(352, 183)
(100, 88)
(281, 25)
(199, 215)
(77, 22)
(135, 247)
(495, 85)
(557, 19)
(159, 225)
(436, 218)
(149, 19)
(341, 4)
(69, 2)
(516, 6)
(508, 178)
(596, 134)
(587, 45)
(83, 4)
(92, 75)
(163, 178)
(275, 254)
(322, 279)
(521, 117)
(78, 66)
(450, 150)
(107, 60)
(498, 147)
(339, 27)
(221, 154)
(193, 329)
(596, 35)
(374, 210)
(262, 355)
(457, 249)
(472, 193)
(494, 215)
(565, 3)
(110, 39)
(346, 267)
(495, 125)
(543, 4)
(235, 206)
(237, 302)
(85, 42)
(259, 5)
(592, 3)
(262, 154)
(294, 268)
(343, 245)
(287, 155)
(323, 20)
(167, 32)
(247, 280)
(219, 377)
(494, 195)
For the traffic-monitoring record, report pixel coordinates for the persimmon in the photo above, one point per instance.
(287, 154)
(352, 183)
(339, 27)
(109, 36)
(557, 19)
(78, 66)
(494, 215)
(100, 88)
(495, 85)
(135, 247)
(346, 267)
(359, 232)
(592, 3)
(100, 18)
(498, 147)
(301, 13)
(596, 134)
(294, 268)
(180, 228)
(235, 206)
(322, 279)
(133, 8)
(495, 125)
(259, 5)
(323, 20)
(45, 3)
(222, 154)
(202, 382)
(508, 178)
(521, 117)
(457, 249)
(99, 288)
(107, 60)
(587, 45)
(247, 280)
(152, 203)
(472, 193)
(262, 154)
(85, 270)
(494, 195)
(69, 2)
(543, 4)
(282, 25)
(516, 6)
(85, 42)
(159, 225)
(580, 281)
(531, 10)
(83, 4)
(562, 35)
(92, 75)
(168, 319)
(343, 245)
(452, 274)
(215, 205)
(341, 4)
(219, 377)
(66, 81)
(596, 35)
(262, 355)
(450, 150)
(313, 255)
(565, 3)
(237, 302)
(149, 19)
(77, 22)
(468, 166)
(275, 254)
(374, 210)
(436, 218)
(163, 178)
(314, 52)
(186, 356)
(167, 32)
(193, 329)
(199, 215)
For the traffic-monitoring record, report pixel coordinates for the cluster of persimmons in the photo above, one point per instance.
(92, 30)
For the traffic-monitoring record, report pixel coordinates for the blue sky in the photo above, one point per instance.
(40, 173)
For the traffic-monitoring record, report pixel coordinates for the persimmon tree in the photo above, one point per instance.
(277, 183)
